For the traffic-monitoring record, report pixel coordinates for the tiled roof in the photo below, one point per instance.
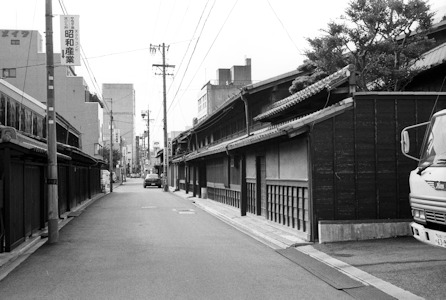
(328, 82)
(432, 58)
(271, 132)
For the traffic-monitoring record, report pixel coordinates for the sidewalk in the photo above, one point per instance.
(10, 260)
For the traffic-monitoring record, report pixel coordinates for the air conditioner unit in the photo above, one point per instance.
(8, 133)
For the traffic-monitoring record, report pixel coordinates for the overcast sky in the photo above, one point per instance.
(203, 35)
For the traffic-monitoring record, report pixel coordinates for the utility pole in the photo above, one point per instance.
(53, 200)
(148, 137)
(163, 67)
(110, 165)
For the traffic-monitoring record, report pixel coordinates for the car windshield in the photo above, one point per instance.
(151, 176)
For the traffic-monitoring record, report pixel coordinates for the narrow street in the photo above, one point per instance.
(147, 244)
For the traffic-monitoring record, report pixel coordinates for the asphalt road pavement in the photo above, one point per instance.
(403, 262)
(140, 243)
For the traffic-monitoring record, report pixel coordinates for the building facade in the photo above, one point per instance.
(228, 83)
(23, 64)
(120, 99)
(325, 161)
(24, 167)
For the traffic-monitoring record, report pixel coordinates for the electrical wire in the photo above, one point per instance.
(118, 53)
(283, 26)
(170, 17)
(213, 42)
(184, 73)
(29, 51)
(193, 52)
(190, 58)
(84, 59)
(188, 46)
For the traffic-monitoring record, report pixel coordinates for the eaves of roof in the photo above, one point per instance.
(328, 82)
(36, 149)
(264, 84)
(432, 58)
(290, 128)
(250, 89)
(212, 149)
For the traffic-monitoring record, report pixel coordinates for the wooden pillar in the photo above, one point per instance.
(69, 186)
(187, 177)
(90, 178)
(7, 200)
(194, 179)
(243, 187)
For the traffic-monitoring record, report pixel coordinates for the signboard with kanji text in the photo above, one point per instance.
(70, 54)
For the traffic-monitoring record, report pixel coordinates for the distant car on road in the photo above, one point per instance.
(152, 180)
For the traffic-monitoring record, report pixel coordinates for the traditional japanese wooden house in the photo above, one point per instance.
(23, 167)
(325, 161)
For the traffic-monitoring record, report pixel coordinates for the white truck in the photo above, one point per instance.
(428, 182)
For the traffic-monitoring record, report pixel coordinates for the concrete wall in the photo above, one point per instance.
(223, 76)
(241, 75)
(218, 94)
(338, 231)
(89, 141)
(122, 97)
(250, 165)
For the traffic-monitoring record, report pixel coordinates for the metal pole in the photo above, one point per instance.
(166, 152)
(110, 165)
(53, 201)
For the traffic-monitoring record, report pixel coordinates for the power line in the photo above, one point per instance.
(213, 42)
(185, 53)
(283, 26)
(193, 51)
(84, 59)
(118, 53)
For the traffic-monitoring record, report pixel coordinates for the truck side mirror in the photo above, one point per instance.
(405, 142)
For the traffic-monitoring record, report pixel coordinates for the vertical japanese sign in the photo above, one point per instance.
(70, 44)
(116, 136)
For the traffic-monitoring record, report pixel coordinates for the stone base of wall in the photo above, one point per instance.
(338, 231)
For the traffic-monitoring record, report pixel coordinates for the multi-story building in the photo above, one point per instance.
(23, 64)
(228, 83)
(120, 100)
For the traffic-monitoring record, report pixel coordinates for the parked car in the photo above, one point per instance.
(152, 180)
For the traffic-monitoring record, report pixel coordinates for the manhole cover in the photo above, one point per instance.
(184, 211)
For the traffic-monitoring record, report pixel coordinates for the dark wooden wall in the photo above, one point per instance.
(23, 191)
(358, 170)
